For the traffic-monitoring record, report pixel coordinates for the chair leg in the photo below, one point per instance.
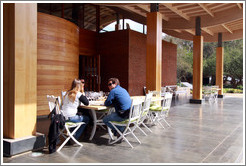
(146, 127)
(141, 130)
(131, 131)
(161, 124)
(166, 122)
(70, 135)
(121, 136)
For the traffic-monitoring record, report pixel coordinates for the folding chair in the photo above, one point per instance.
(144, 113)
(158, 113)
(134, 116)
(52, 100)
(63, 93)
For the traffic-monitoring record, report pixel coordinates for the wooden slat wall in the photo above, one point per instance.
(58, 58)
(87, 42)
(20, 70)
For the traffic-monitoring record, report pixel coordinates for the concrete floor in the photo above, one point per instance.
(206, 133)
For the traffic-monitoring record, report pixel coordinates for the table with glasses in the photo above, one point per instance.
(96, 105)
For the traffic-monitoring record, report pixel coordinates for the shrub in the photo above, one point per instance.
(230, 90)
(240, 87)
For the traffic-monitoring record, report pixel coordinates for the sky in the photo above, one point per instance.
(133, 26)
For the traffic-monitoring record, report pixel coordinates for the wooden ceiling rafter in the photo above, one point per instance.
(174, 9)
(178, 18)
(132, 9)
(191, 31)
(206, 9)
(227, 28)
(208, 31)
(239, 5)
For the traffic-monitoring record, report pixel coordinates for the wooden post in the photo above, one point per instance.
(19, 70)
(81, 18)
(97, 18)
(197, 64)
(62, 10)
(219, 65)
(154, 51)
(123, 26)
(117, 25)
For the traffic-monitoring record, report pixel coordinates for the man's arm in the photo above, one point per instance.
(110, 99)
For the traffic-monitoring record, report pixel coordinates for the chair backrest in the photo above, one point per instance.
(63, 93)
(155, 93)
(167, 100)
(135, 110)
(54, 101)
(147, 102)
(163, 89)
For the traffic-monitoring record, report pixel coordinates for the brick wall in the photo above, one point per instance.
(137, 63)
(123, 55)
(113, 48)
(169, 63)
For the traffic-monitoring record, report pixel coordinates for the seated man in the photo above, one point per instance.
(120, 99)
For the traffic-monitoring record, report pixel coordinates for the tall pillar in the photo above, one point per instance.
(154, 50)
(19, 77)
(97, 18)
(197, 64)
(219, 65)
(117, 25)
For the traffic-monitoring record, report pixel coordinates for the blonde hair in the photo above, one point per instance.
(75, 88)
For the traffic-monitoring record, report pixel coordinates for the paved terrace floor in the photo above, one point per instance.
(206, 133)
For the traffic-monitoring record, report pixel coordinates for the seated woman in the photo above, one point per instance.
(71, 102)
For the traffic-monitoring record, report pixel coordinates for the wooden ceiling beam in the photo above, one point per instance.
(144, 7)
(219, 18)
(130, 15)
(177, 30)
(238, 34)
(132, 9)
(175, 9)
(239, 5)
(206, 9)
(208, 31)
(227, 28)
(190, 31)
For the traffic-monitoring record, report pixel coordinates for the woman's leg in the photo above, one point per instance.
(76, 119)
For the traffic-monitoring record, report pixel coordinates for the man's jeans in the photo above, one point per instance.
(114, 117)
(76, 119)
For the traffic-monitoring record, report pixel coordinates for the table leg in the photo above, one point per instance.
(94, 124)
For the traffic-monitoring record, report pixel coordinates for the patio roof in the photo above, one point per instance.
(178, 19)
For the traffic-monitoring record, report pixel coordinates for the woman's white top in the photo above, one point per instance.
(70, 108)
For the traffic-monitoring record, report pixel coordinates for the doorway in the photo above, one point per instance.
(89, 69)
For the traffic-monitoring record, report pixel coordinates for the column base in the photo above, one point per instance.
(195, 101)
(220, 96)
(15, 146)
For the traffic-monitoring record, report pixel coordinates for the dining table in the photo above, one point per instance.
(99, 107)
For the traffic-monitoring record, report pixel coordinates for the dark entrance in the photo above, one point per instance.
(89, 69)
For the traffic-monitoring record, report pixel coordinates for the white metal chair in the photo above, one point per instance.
(63, 93)
(144, 113)
(159, 113)
(134, 116)
(52, 100)
(211, 93)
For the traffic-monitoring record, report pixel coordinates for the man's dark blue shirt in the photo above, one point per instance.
(119, 98)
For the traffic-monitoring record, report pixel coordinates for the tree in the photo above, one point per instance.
(233, 60)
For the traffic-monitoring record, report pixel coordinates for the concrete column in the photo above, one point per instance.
(154, 51)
